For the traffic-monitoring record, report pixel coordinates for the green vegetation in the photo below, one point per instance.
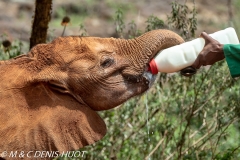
(154, 22)
(179, 19)
(9, 50)
(235, 20)
(119, 22)
(194, 118)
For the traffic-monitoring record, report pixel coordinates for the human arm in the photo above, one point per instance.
(213, 52)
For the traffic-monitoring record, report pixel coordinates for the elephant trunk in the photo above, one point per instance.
(143, 48)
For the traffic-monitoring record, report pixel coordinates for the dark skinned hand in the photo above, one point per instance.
(211, 53)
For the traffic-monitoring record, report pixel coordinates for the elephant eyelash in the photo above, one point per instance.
(107, 62)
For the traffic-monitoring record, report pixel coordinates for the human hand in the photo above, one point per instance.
(211, 53)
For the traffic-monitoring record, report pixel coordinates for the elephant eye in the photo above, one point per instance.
(107, 62)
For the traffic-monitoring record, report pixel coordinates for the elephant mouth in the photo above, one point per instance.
(149, 78)
(143, 79)
(146, 78)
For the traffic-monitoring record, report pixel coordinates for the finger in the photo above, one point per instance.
(196, 63)
(203, 34)
(207, 38)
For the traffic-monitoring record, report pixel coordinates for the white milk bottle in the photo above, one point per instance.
(178, 57)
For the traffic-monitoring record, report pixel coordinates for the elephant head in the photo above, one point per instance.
(49, 96)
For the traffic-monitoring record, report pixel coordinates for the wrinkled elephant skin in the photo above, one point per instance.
(49, 96)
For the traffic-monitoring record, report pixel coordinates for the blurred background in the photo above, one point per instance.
(97, 17)
(190, 118)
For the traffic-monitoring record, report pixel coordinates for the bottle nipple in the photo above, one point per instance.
(153, 67)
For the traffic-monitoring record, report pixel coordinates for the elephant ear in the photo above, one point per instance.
(38, 118)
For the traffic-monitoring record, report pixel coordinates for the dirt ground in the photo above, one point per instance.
(97, 16)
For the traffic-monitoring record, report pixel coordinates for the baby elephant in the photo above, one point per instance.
(48, 97)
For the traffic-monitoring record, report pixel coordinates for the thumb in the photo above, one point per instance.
(207, 38)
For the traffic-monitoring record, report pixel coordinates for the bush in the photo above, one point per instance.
(9, 50)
